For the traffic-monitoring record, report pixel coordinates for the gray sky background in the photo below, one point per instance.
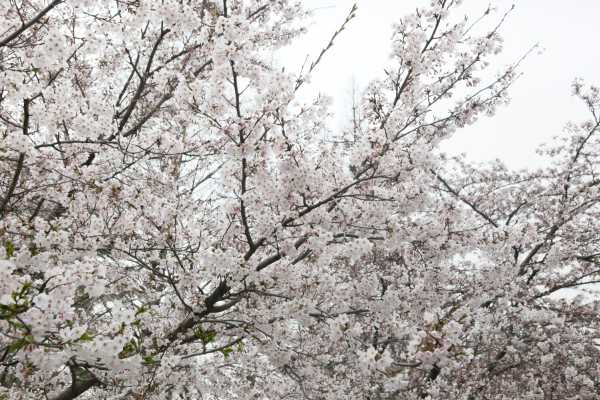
(567, 32)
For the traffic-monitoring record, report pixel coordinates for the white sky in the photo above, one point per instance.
(541, 102)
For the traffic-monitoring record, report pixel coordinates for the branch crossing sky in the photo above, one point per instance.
(541, 99)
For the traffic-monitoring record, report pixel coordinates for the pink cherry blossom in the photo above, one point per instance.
(179, 221)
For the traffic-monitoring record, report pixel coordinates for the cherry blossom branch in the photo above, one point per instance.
(351, 15)
(36, 19)
(143, 80)
(467, 202)
(252, 247)
(215, 350)
(20, 162)
(81, 381)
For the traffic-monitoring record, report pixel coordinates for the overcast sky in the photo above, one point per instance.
(541, 102)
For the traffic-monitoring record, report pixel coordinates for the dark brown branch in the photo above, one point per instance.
(252, 247)
(149, 115)
(82, 381)
(467, 202)
(217, 349)
(20, 162)
(4, 42)
(350, 16)
(13, 185)
(134, 65)
(276, 257)
(514, 212)
(257, 11)
(143, 81)
(209, 304)
(536, 249)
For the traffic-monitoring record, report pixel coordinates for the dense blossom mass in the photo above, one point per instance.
(177, 222)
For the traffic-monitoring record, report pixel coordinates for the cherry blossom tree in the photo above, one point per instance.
(177, 223)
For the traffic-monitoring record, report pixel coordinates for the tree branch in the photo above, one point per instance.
(81, 381)
(20, 162)
(4, 42)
